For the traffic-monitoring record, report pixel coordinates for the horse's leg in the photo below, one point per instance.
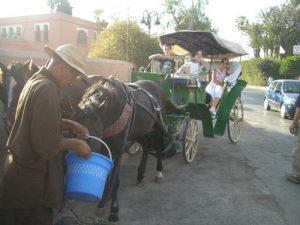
(159, 147)
(110, 192)
(141, 169)
(114, 206)
(100, 210)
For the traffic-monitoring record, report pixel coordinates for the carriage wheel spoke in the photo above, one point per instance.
(191, 142)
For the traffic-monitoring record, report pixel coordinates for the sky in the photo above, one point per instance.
(222, 13)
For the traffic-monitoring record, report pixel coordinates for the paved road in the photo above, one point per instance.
(227, 184)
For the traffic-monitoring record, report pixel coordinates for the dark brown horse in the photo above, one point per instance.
(119, 113)
(13, 81)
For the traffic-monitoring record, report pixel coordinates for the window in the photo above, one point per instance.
(278, 86)
(82, 37)
(10, 32)
(18, 33)
(3, 33)
(37, 33)
(45, 32)
(273, 85)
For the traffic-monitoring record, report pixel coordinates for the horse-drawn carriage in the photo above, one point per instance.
(186, 100)
(119, 112)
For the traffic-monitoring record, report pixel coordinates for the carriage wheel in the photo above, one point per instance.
(235, 122)
(190, 141)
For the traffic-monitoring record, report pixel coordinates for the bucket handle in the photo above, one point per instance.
(98, 139)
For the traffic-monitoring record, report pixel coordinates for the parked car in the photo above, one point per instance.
(281, 96)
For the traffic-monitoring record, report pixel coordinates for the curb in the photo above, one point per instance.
(258, 87)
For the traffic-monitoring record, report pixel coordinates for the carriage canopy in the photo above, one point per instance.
(212, 46)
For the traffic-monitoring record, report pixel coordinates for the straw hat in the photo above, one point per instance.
(70, 55)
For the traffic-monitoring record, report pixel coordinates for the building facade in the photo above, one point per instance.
(25, 37)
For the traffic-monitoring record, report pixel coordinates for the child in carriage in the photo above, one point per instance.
(215, 87)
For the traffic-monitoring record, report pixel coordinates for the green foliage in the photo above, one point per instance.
(60, 6)
(125, 41)
(102, 23)
(279, 26)
(290, 67)
(256, 71)
(189, 17)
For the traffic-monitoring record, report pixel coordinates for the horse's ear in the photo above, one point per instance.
(30, 66)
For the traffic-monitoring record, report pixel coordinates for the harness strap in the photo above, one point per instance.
(159, 121)
(120, 124)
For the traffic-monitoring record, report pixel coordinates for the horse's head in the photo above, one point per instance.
(13, 82)
(72, 94)
(101, 106)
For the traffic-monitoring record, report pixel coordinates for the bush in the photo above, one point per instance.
(256, 71)
(290, 67)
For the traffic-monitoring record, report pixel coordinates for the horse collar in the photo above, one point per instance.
(120, 123)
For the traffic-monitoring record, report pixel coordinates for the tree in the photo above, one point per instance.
(254, 32)
(279, 26)
(125, 40)
(272, 31)
(187, 17)
(97, 15)
(60, 6)
(291, 32)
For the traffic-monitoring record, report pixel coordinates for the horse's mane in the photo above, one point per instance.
(99, 93)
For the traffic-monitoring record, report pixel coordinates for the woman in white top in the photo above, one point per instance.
(195, 67)
(215, 87)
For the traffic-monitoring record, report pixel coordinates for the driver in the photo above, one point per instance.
(167, 63)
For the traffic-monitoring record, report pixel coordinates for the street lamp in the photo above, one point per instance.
(147, 19)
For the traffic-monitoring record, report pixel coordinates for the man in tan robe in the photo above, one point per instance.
(33, 179)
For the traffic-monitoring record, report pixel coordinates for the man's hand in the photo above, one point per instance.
(82, 148)
(293, 127)
(80, 131)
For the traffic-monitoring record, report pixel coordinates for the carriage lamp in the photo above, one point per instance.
(147, 19)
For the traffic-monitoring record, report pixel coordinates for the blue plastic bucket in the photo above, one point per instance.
(86, 178)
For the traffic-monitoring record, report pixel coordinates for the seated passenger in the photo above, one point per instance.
(215, 87)
(196, 67)
(167, 63)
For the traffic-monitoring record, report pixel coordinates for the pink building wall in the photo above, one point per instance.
(62, 28)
